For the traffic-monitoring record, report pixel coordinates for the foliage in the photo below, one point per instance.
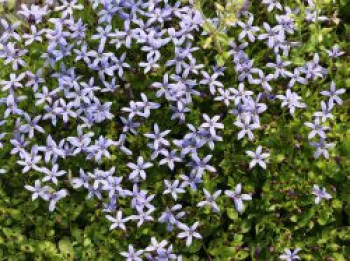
(282, 213)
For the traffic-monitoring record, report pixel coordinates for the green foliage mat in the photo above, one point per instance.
(283, 213)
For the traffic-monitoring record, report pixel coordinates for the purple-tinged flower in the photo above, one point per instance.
(200, 165)
(238, 197)
(82, 181)
(142, 215)
(118, 221)
(326, 112)
(55, 197)
(286, 21)
(246, 70)
(13, 56)
(119, 64)
(248, 29)
(270, 35)
(225, 96)
(291, 100)
(81, 142)
(211, 81)
(160, 251)
(272, 4)
(122, 37)
(110, 86)
(192, 67)
(146, 106)
(132, 255)
(170, 158)
(189, 233)
(19, 144)
(246, 126)
(191, 180)
(335, 52)
(317, 128)
(113, 186)
(252, 108)
(78, 29)
(38, 190)
(170, 217)
(313, 70)
(33, 36)
(237, 48)
(12, 105)
(94, 192)
(82, 54)
(159, 15)
(45, 97)
(129, 125)
(100, 61)
(295, 77)
(102, 35)
(262, 80)
(152, 46)
(67, 8)
(30, 162)
(279, 67)
(110, 206)
(289, 255)
(162, 86)
(133, 109)
(212, 124)
(64, 109)
(102, 111)
(210, 200)
(2, 135)
(35, 14)
(156, 246)
(100, 149)
(322, 148)
(181, 54)
(9, 31)
(140, 199)
(333, 94)
(51, 175)
(179, 111)
(173, 188)
(52, 150)
(99, 177)
(313, 14)
(320, 194)
(138, 169)
(258, 158)
(158, 137)
(151, 64)
(240, 94)
(13, 83)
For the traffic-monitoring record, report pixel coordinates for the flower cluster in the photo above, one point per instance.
(81, 81)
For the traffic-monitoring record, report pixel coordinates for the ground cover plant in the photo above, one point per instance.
(175, 130)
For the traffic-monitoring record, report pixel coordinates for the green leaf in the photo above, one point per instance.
(232, 213)
(66, 248)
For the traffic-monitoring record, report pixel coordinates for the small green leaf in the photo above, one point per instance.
(232, 213)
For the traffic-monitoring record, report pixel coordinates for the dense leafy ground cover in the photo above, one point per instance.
(125, 124)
